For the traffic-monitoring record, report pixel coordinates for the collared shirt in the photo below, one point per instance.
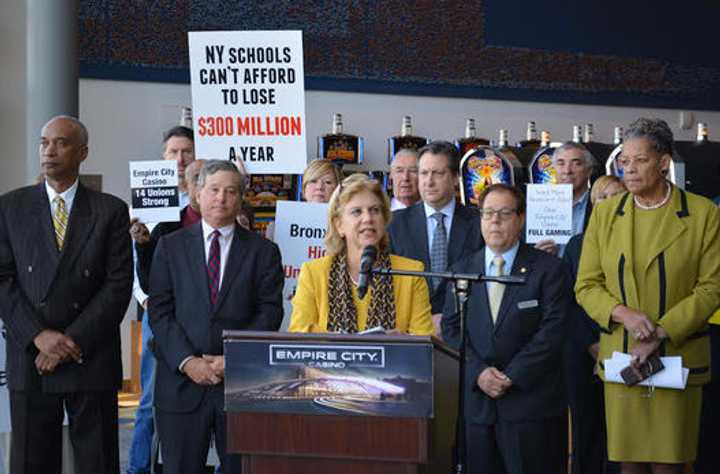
(183, 198)
(508, 256)
(190, 217)
(578, 213)
(448, 210)
(226, 235)
(396, 204)
(68, 196)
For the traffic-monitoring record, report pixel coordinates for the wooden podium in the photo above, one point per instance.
(333, 419)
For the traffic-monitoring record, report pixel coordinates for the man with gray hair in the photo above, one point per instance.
(210, 277)
(404, 178)
(574, 164)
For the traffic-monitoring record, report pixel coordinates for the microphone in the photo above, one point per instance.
(367, 260)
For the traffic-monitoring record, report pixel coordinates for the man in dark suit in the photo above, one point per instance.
(65, 282)
(514, 400)
(437, 231)
(212, 276)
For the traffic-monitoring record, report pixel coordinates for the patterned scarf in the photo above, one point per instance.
(343, 314)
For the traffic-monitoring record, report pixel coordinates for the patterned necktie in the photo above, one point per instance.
(496, 290)
(213, 266)
(60, 220)
(438, 250)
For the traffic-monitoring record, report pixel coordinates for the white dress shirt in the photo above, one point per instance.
(225, 239)
(68, 196)
(396, 204)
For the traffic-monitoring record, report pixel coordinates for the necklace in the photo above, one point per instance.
(659, 204)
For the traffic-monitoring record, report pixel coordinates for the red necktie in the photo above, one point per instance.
(213, 266)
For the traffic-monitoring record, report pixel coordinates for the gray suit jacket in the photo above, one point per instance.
(82, 291)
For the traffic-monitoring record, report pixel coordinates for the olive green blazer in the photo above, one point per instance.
(684, 266)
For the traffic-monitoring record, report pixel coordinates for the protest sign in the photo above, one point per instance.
(549, 213)
(154, 191)
(299, 232)
(248, 97)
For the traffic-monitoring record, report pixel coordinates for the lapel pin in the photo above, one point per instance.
(523, 270)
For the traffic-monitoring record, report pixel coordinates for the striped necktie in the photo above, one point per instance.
(60, 220)
(438, 249)
(496, 290)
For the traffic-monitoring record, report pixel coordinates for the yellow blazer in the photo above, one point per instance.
(311, 305)
(684, 263)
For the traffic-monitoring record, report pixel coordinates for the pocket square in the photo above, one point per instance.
(528, 304)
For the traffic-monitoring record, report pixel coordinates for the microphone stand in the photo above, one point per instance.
(462, 292)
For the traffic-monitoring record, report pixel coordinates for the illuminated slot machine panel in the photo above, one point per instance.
(541, 169)
(480, 168)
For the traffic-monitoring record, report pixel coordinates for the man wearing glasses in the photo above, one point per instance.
(437, 231)
(514, 398)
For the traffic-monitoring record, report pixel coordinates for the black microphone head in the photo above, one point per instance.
(368, 251)
(367, 259)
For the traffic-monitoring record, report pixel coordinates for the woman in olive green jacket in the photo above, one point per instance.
(650, 276)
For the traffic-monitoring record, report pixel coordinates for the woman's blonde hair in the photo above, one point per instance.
(348, 188)
(601, 184)
(317, 169)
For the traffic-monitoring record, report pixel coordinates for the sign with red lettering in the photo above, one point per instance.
(248, 97)
(299, 232)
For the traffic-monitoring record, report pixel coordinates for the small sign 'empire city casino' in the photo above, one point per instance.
(327, 357)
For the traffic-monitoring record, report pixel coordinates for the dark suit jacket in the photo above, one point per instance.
(181, 317)
(145, 251)
(408, 238)
(582, 330)
(588, 211)
(526, 344)
(82, 291)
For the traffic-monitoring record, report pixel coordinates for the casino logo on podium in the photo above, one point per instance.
(375, 380)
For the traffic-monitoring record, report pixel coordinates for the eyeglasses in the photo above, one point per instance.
(504, 214)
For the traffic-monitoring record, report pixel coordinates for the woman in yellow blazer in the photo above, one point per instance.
(326, 297)
(650, 276)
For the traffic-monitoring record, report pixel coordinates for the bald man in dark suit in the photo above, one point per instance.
(65, 283)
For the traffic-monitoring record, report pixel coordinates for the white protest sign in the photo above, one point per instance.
(248, 98)
(4, 400)
(549, 213)
(299, 231)
(154, 191)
